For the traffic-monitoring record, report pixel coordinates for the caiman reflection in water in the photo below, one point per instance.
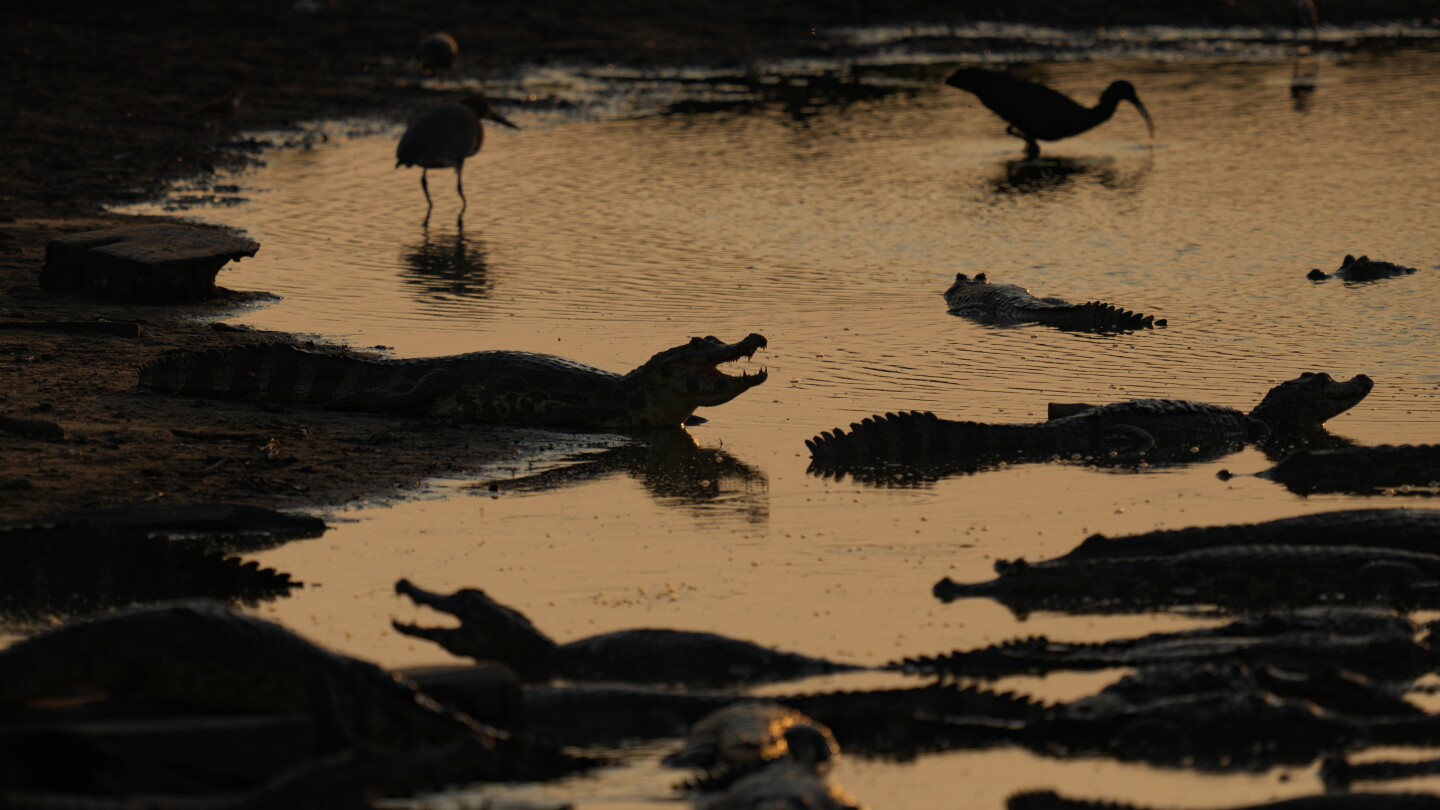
(447, 266)
(672, 467)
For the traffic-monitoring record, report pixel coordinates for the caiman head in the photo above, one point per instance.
(488, 631)
(1309, 401)
(667, 389)
(962, 281)
(966, 290)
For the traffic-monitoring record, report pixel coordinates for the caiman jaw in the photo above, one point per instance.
(744, 380)
(687, 377)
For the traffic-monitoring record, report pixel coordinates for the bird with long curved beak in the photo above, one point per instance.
(1037, 113)
(444, 137)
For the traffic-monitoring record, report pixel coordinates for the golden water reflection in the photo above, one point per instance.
(834, 232)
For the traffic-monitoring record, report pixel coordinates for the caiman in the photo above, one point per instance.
(1213, 717)
(491, 387)
(1146, 430)
(1415, 530)
(1048, 800)
(1222, 714)
(1005, 304)
(1362, 269)
(1383, 469)
(74, 570)
(490, 631)
(1225, 578)
(194, 657)
(1372, 643)
(896, 723)
(225, 527)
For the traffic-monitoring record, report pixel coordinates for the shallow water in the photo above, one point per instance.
(833, 228)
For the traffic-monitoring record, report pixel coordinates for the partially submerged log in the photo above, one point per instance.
(146, 264)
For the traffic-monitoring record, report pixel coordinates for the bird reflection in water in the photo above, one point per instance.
(1042, 175)
(448, 266)
(1303, 78)
(1048, 175)
(672, 467)
(1306, 70)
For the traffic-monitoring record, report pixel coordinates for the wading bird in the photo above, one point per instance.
(1037, 113)
(444, 137)
(437, 52)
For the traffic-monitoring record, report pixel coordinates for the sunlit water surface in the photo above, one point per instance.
(833, 230)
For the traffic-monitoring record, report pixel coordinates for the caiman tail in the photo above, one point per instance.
(1096, 316)
(270, 372)
(911, 435)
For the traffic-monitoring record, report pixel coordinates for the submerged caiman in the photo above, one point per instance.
(890, 723)
(1147, 430)
(1398, 529)
(223, 527)
(1370, 643)
(1225, 578)
(1004, 304)
(192, 658)
(1362, 269)
(1214, 717)
(47, 573)
(1403, 469)
(492, 387)
(1217, 715)
(490, 631)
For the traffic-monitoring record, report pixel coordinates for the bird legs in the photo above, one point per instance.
(425, 187)
(460, 187)
(1032, 149)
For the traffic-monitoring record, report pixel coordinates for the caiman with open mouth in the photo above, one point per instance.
(491, 387)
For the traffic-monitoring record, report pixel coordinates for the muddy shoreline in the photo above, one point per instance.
(112, 105)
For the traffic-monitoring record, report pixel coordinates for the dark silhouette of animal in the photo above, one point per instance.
(491, 631)
(1362, 269)
(443, 138)
(1004, 304)
(495, 387)
(437, 52)
(1037, 113)
(1149, 430)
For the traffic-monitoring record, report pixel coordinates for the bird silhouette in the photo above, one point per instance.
(1037, 113)
(437, 52)
(443, 138)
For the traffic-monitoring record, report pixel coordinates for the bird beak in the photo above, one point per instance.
(1146, 115)
(500, 119)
